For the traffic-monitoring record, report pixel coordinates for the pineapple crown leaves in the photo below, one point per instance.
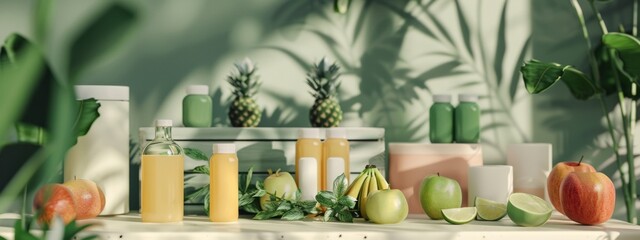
(243, 79)
(323, 79)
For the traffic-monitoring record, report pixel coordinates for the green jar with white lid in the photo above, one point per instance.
(441, 119)
(467, 119)
(197, 107)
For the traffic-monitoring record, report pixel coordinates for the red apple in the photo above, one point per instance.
(558, 173)
(88, 197)
(588, 198)
(54, 199)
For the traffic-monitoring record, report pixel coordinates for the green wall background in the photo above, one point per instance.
(394, 54)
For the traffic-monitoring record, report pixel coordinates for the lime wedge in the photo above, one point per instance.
(341, 6)
(459, 215)
(528, 210)
(489, 210)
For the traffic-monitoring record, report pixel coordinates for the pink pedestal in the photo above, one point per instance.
(410, 163)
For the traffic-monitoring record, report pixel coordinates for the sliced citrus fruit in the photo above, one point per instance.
(528, 210)
(490, 210)
(459, 215)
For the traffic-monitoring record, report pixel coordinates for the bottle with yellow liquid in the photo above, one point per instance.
(336, 156)
(162, 178)
(309, 163)
(223, 187)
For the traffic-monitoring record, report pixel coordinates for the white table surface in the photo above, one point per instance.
(414, 227)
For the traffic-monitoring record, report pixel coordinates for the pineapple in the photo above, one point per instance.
(323, 80)
(244, 111)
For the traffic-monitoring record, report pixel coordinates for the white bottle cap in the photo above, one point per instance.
(336, 133)
(309, 133)
(198, 89)
(468, 98)
(441, 98)
(224, 148)
(164, 123)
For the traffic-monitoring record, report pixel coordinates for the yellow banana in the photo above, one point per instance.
(362, 201)
(373, 184)
(382, 183)
(356, 186)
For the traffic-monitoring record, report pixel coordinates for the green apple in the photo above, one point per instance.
(437, 193)
(387, 206)
(280, 184)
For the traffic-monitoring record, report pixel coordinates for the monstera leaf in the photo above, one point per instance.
(540, 76)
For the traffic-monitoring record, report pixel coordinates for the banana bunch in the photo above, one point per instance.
(369, 181)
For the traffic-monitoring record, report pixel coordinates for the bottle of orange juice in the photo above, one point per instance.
(162, 178)
(336, 156)
(223, 186)
(309, 162)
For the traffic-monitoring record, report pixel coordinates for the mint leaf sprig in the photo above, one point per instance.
(286, 209)
(339, 206)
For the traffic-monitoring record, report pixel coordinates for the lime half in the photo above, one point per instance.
(490, 210)
(459, 215)
(528, 210)
(341, 6)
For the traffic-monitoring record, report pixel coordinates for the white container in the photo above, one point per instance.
(490, 182)
(103, 154)
(531, 164)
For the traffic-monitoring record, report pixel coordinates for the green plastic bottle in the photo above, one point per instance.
(197, 107)
(441, 119)
(467, 119)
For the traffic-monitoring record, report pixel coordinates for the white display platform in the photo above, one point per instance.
(415, 227)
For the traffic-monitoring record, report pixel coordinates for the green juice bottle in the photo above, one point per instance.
(197, 107)
(467, 119)
(441, 119)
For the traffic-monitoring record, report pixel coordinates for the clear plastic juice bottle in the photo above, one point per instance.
(162, 178)
(336, 156)
(223, 186)
(309, 162)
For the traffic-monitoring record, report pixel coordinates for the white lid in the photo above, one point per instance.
(467, 98)
(336, 133)
(102, 92)
(442, 98)
(309, 133)
(198, 89)
(224, 148)
(164, 123)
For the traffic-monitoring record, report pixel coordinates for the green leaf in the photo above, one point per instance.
(41, 23)
(86, 115)
(347, 201)
(20, 233)
(284, 206)
(308, 206)
(245, 199)
(293, 214)
(327, 215)
(326, 198)
(71, 229)
(99, 38)
(195, 154)
(259, 185)
(202, 169)
(628, 49)
(248, 180)
(345, 216)
(207, 200)
(18, 78)
(264, 215)
(200, 193)
(251, 208)
(340, 185)
(539, 76)
(260, 193)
